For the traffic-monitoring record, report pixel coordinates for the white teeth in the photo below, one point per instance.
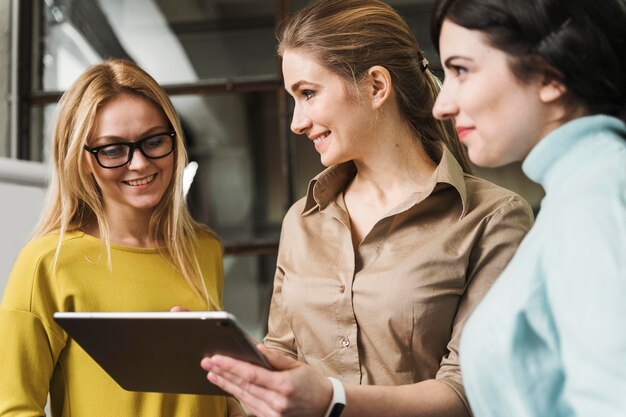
(320, 138)
(143, 181)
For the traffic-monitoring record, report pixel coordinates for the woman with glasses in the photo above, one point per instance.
(115, 235)
(544, 82)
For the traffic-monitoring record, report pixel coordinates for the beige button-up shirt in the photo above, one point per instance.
(391, 311)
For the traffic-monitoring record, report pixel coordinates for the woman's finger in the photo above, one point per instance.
(262, 401)
(242, 371)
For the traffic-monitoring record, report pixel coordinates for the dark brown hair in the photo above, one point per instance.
(582, 43)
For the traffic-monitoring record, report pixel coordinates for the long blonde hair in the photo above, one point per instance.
(74, 200)
(351, 36)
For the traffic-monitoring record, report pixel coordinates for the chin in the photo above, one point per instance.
(145, 205)
(327, 161)
(485, 160)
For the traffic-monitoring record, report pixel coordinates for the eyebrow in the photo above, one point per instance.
(297, 84)
(446, 63)
(147, 133)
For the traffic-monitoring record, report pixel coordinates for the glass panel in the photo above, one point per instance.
(233, 137)
(42, 120)
(248, 284)
(177, 41)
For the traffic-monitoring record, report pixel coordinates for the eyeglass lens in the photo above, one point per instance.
(118, 154)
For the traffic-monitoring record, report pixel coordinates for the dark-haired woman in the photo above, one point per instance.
(544, 81)
(394, 244)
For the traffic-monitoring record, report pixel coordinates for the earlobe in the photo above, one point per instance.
(380, 85)
(551, 90)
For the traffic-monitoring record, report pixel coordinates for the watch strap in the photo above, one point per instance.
(338, 402)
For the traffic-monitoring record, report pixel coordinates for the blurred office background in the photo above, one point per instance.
(217, 60)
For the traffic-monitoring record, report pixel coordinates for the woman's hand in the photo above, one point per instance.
(292, 390)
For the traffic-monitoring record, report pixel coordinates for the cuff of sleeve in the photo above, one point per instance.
(459, 390)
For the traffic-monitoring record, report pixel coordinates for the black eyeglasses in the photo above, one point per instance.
(115, 155)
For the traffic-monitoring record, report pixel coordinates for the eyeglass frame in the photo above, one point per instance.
(132, 146)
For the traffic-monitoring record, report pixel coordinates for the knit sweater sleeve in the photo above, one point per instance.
(31, 343)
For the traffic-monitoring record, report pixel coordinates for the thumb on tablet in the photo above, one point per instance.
(178, 309)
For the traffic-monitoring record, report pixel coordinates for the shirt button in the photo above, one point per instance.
(342, 288)
(345, 342)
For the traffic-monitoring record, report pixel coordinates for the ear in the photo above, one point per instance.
(551, 90)
(379, 85)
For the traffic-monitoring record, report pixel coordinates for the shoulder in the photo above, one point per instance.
(208, 240)
(593, 210)
(593, 194)
(297, 208)
(604, 167)
(31, 270)
(296, 213)
(39, 254)
(298, 222)
(41, 246)
(486, 199)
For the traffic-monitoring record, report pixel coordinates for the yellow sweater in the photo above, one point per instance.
(36, 356)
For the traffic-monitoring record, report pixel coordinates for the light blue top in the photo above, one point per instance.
(549, 339)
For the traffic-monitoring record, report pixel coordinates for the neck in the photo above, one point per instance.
(127, 229)
(395, 161)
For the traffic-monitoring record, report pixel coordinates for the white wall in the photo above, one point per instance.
(22, 192)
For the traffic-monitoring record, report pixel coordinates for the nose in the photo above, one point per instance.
(300, 122)
(138, 161)
(445, 106)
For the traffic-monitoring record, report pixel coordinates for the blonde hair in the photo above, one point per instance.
(74, 200)
(351, 36)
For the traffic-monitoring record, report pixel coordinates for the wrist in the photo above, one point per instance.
(338, 400)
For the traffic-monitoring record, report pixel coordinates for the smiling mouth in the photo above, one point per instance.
(141, 181)
(320, 138)
(464, 131)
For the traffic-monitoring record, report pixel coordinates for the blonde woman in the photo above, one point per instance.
(394, 244)
(115, 235)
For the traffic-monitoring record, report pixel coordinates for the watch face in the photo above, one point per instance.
(337, 410)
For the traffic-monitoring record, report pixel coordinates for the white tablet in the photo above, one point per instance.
(160, 352)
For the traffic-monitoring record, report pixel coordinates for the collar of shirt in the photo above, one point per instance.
(324, 188)
(550, 160)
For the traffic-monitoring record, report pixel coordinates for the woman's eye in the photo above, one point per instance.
(458, 70)
(114, 151)
(154, 142)
(307, 94)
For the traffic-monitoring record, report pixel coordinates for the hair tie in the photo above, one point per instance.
(423, 63)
